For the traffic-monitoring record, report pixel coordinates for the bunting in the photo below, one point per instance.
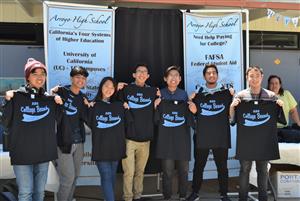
(286, 19)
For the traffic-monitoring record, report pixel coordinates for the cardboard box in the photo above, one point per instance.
(287, 184)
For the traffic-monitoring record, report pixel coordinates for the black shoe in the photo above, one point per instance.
(193, 197)
(225, 198)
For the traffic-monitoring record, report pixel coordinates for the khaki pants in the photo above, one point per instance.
(133, 166)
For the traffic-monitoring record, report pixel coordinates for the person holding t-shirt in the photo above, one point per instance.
(70, 154)
(212, 130)
(140, 98)
(173, 143)
(30, 115)
(107, 118)
(261, 144)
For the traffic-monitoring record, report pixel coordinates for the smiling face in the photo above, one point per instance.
(254, 78)
(78, 81)
(108, 89)
(37, 78)
(173, 79)
(211, 76)
(274, 85)
(141, 75)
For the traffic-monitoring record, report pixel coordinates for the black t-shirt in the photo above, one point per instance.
(31, 120)
(174, 121)
(141, 104)
(107, 121)
(257, 130)
(75, 111)
(213, 128)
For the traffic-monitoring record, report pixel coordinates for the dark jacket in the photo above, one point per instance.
(75, 113)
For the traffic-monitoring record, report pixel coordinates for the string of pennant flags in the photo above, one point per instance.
(286, 19)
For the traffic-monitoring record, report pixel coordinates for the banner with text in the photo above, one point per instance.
(79, 35)
(214, 40)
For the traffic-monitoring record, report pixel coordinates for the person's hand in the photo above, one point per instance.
(58, 100)
(192, 96)
(235, 102)
(280, 103)
(54, 89)
(157, 102)
(231, 90)
(126, 106)
(192, 107)
(158, 93)
(86, 102)
(9, 95)
(91, 104)
(121, 85)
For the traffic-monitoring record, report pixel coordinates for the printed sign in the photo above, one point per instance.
(213, 40)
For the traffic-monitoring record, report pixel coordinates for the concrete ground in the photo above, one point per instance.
(209, 191)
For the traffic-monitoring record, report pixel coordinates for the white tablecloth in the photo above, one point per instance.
(289, 154)
(6, 170)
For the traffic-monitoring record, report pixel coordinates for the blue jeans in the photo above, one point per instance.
(31, 180)
(108, 170)
(262, 179)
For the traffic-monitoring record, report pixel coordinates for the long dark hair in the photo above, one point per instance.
(281, 90)
(99, 95)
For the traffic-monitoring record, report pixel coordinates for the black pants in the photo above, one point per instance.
(262, 179)
(168, 166)
(220, 157)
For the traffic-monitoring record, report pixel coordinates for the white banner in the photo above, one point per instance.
(214, 40)
(79, 35)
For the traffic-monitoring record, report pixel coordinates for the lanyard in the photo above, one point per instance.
(255, 97)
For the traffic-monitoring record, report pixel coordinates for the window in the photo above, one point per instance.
(274, 40)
